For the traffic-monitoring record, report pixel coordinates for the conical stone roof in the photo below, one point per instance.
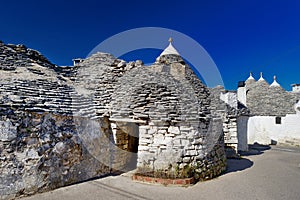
(250, 80)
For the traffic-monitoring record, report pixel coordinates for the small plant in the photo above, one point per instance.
(28, 130)
(187, 171)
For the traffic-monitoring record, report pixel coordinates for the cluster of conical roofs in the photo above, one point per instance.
(251, 80)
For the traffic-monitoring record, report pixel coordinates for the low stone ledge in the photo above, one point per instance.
(164, 181)
(127, 120)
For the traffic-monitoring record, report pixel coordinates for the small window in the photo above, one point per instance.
(278, 120)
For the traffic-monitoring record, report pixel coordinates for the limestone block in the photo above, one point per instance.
(191, 153)
(233, 130)
(186, 159)
(176, 142)
(173, 129)
(32, 154)
(145, 156)
(60, 148)
(167, 141)
(158, 139)
(185, 128)
(144, 141)
(143, 148)
(121, 64)
(162, 147)
(185, 142)
(161, 131)
(200, 156)
(8, 132)
(198, 141)
(143, 129)
(152, 130)
(170, 135)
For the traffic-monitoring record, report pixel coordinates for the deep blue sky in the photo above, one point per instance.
(240, 35)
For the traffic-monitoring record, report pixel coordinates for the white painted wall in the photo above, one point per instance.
(263, 129)
(241, 95)
(229, 98)
(296, 88)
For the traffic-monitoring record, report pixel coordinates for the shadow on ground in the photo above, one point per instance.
(242, 163)
(255, 149)
(234, 165)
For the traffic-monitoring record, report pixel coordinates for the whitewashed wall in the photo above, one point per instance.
(263, 129)
(241, 95)
(230, 98)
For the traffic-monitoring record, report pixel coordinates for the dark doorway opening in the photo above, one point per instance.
(126, 146)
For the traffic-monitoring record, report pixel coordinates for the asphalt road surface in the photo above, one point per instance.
(261, 174)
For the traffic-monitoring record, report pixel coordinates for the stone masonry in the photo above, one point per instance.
(62, 125)
(266, 100)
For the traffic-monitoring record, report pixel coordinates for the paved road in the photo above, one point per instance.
(271, 174)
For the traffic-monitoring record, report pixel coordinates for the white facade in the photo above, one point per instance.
(296, 88)
(229, 98)
(264, 130)
(241, 95)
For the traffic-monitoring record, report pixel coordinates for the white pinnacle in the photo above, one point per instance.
(170, 49)
(250, 77)
(261, 77)
(275, 83)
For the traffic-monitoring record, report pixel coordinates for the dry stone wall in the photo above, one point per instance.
(177, 135)
(97, 76)
(64, 125)
(181, 151)
(48, 137)
(230, 110)
(40, 152)
(13, 56)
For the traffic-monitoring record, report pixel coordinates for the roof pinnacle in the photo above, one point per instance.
(170, 49)
(275, 83)
(261, 77)
(250, 77)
